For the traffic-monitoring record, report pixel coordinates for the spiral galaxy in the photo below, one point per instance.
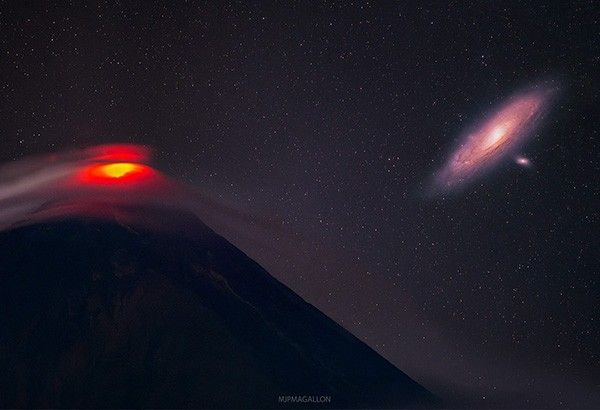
(500, 134)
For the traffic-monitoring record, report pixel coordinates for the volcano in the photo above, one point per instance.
(101, 313)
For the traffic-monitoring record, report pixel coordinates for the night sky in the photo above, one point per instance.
(331, 119)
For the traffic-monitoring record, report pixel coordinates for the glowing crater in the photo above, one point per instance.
(116, 173)
(118, 170)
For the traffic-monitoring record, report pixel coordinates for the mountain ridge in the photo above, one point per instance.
(102, 313)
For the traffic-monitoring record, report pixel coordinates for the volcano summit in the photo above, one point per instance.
(97, 313)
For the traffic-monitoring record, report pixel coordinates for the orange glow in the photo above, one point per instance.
(116, 172)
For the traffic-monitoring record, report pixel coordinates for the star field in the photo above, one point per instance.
(330, 119)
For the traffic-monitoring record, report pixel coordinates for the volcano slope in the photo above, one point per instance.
(96, 313)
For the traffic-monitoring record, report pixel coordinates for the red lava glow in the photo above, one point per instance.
(116, 173)
(120, 152)
(499, 134)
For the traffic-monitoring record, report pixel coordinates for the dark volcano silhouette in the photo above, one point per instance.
(97, 313)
